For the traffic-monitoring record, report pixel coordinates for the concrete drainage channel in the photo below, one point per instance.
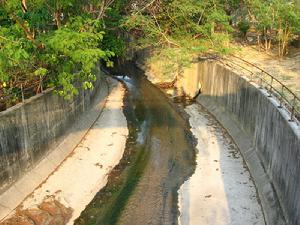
(163, 178)
(262, 129)
(159, 157)
(158, 181)
(54, 199)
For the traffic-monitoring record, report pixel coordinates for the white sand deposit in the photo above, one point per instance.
(221, 191)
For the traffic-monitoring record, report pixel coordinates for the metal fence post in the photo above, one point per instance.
(293, 109)
(261, 81)
(271, 87)
(281, 98)
(41, 84)
(22, 93)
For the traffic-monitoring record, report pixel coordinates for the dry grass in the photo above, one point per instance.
(286, 70)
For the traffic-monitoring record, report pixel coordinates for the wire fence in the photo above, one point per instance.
(274, 87)
(22, 92)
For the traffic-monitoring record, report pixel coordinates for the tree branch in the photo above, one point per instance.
(163, 34)
(145, 7)
(104, 6)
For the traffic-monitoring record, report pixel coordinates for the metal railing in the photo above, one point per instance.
(274, 87)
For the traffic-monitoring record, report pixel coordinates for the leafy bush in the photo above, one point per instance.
(60, 40)
(275, 16)
(179, 30)
(244, 27)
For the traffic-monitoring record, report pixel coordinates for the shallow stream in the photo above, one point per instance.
(159, 157)
(166, 176)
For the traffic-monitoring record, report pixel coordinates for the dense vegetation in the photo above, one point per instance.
(208, 26)
(177, 30)
(276, 21)
(60, 42)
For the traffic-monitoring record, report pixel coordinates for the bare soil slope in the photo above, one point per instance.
(286, 70)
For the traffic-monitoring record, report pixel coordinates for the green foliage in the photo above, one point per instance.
(61, 40)
(115, 38)
(64, 40)
(14, 53)
(276, 16)
(72, 55)
(40, 72)
(263, 12)
(182, 29)
(243, 27)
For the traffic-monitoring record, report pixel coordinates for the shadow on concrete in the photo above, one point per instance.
(268, 141)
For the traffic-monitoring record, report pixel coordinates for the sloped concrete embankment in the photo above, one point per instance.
(72, 185)
(269, 142)
(29, 132)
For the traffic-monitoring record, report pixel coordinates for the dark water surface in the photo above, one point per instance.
(159, 157)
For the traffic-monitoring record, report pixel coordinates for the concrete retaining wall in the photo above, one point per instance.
(30, 130)
(269, 142)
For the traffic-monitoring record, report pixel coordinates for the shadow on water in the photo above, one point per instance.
(158, 158)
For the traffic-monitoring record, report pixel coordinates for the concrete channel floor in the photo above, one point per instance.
(221, 190)
(84, 172)
(33, 178)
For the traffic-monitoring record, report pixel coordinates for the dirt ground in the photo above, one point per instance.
(286, 69)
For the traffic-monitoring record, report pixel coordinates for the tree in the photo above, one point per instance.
(60, 40)
(262, 15)
(180, 29)
(275, 16)
(287, 24)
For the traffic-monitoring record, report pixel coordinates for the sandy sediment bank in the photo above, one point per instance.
(221, 190)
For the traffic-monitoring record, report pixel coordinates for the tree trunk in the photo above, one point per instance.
(24, 6)
(266, 39)
(57, 19)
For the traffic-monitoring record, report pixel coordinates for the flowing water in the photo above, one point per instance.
(159, 157)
